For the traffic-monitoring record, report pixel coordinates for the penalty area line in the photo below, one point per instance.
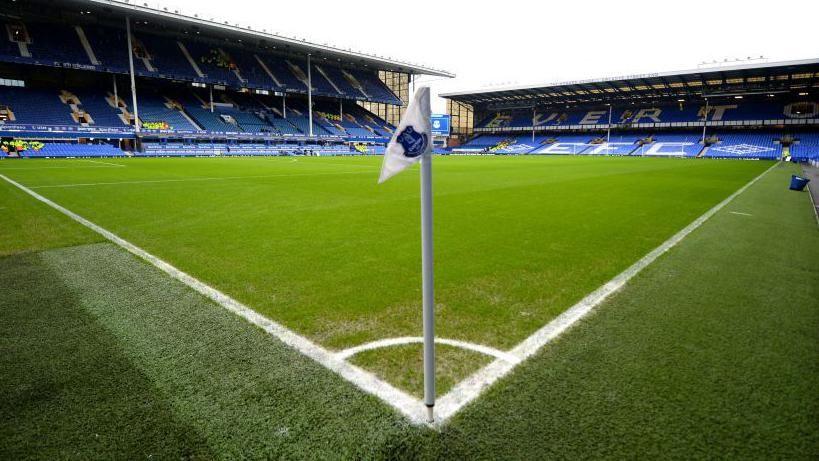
(469, 389)
(407, 405)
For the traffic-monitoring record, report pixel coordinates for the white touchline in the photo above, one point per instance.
(815, 206)
(470, 388)
(411, 407)
(390, 342)
(463, 392)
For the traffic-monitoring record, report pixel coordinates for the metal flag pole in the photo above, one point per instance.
(411, 143)
(427, 274)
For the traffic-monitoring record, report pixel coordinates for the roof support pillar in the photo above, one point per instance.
(534, 117)
(705, 121)
(116, 96)
(608, 129)
(131, 69)
(310, 95)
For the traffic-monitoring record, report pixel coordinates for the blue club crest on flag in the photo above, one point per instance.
(413, 142)
(412, 138)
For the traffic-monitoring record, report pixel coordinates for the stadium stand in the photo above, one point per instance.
(666, 115)
(158, 54)
(60, 150)
(107, 44)
(56, 42)
(675, 144)
(806, 147)
(745, 145)
(751, 112)
(101, 108)
(35, 106)
(208, 149)
(160, 112)
(259, 97)
(259, 88)
(174, 149)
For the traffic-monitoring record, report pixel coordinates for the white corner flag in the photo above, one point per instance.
(412, 138)
(411, 142)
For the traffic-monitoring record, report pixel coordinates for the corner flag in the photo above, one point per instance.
(411, 142)
(412, 139)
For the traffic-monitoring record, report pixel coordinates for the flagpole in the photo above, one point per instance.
(427, 274)
(411, 143)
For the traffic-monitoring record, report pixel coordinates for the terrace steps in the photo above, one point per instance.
(267, 70)
(355, 83)
(145, 58)
(190, 60)
(86, 45)
(329, 80)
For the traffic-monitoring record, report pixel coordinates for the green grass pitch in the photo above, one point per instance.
(315, 244)
(709, 351)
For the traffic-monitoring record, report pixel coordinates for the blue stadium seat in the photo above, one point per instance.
(749, 145)
(53, 150)
(806, 147)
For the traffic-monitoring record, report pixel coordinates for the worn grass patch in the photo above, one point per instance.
(403, 366)
(105, 357)
(28, 225)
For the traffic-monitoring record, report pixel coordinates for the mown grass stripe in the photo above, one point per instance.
(470, 388)
(411, 407)
(709, 353)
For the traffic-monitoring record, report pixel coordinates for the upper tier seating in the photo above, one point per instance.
(284, 74)
(214, 62)
(183, 109)
(718, 114)
(254, 74)
(342, 82)
(163, 55)
(56, 42)
(322, 86)
(374, 87)
(110, 47)
(183, 58)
